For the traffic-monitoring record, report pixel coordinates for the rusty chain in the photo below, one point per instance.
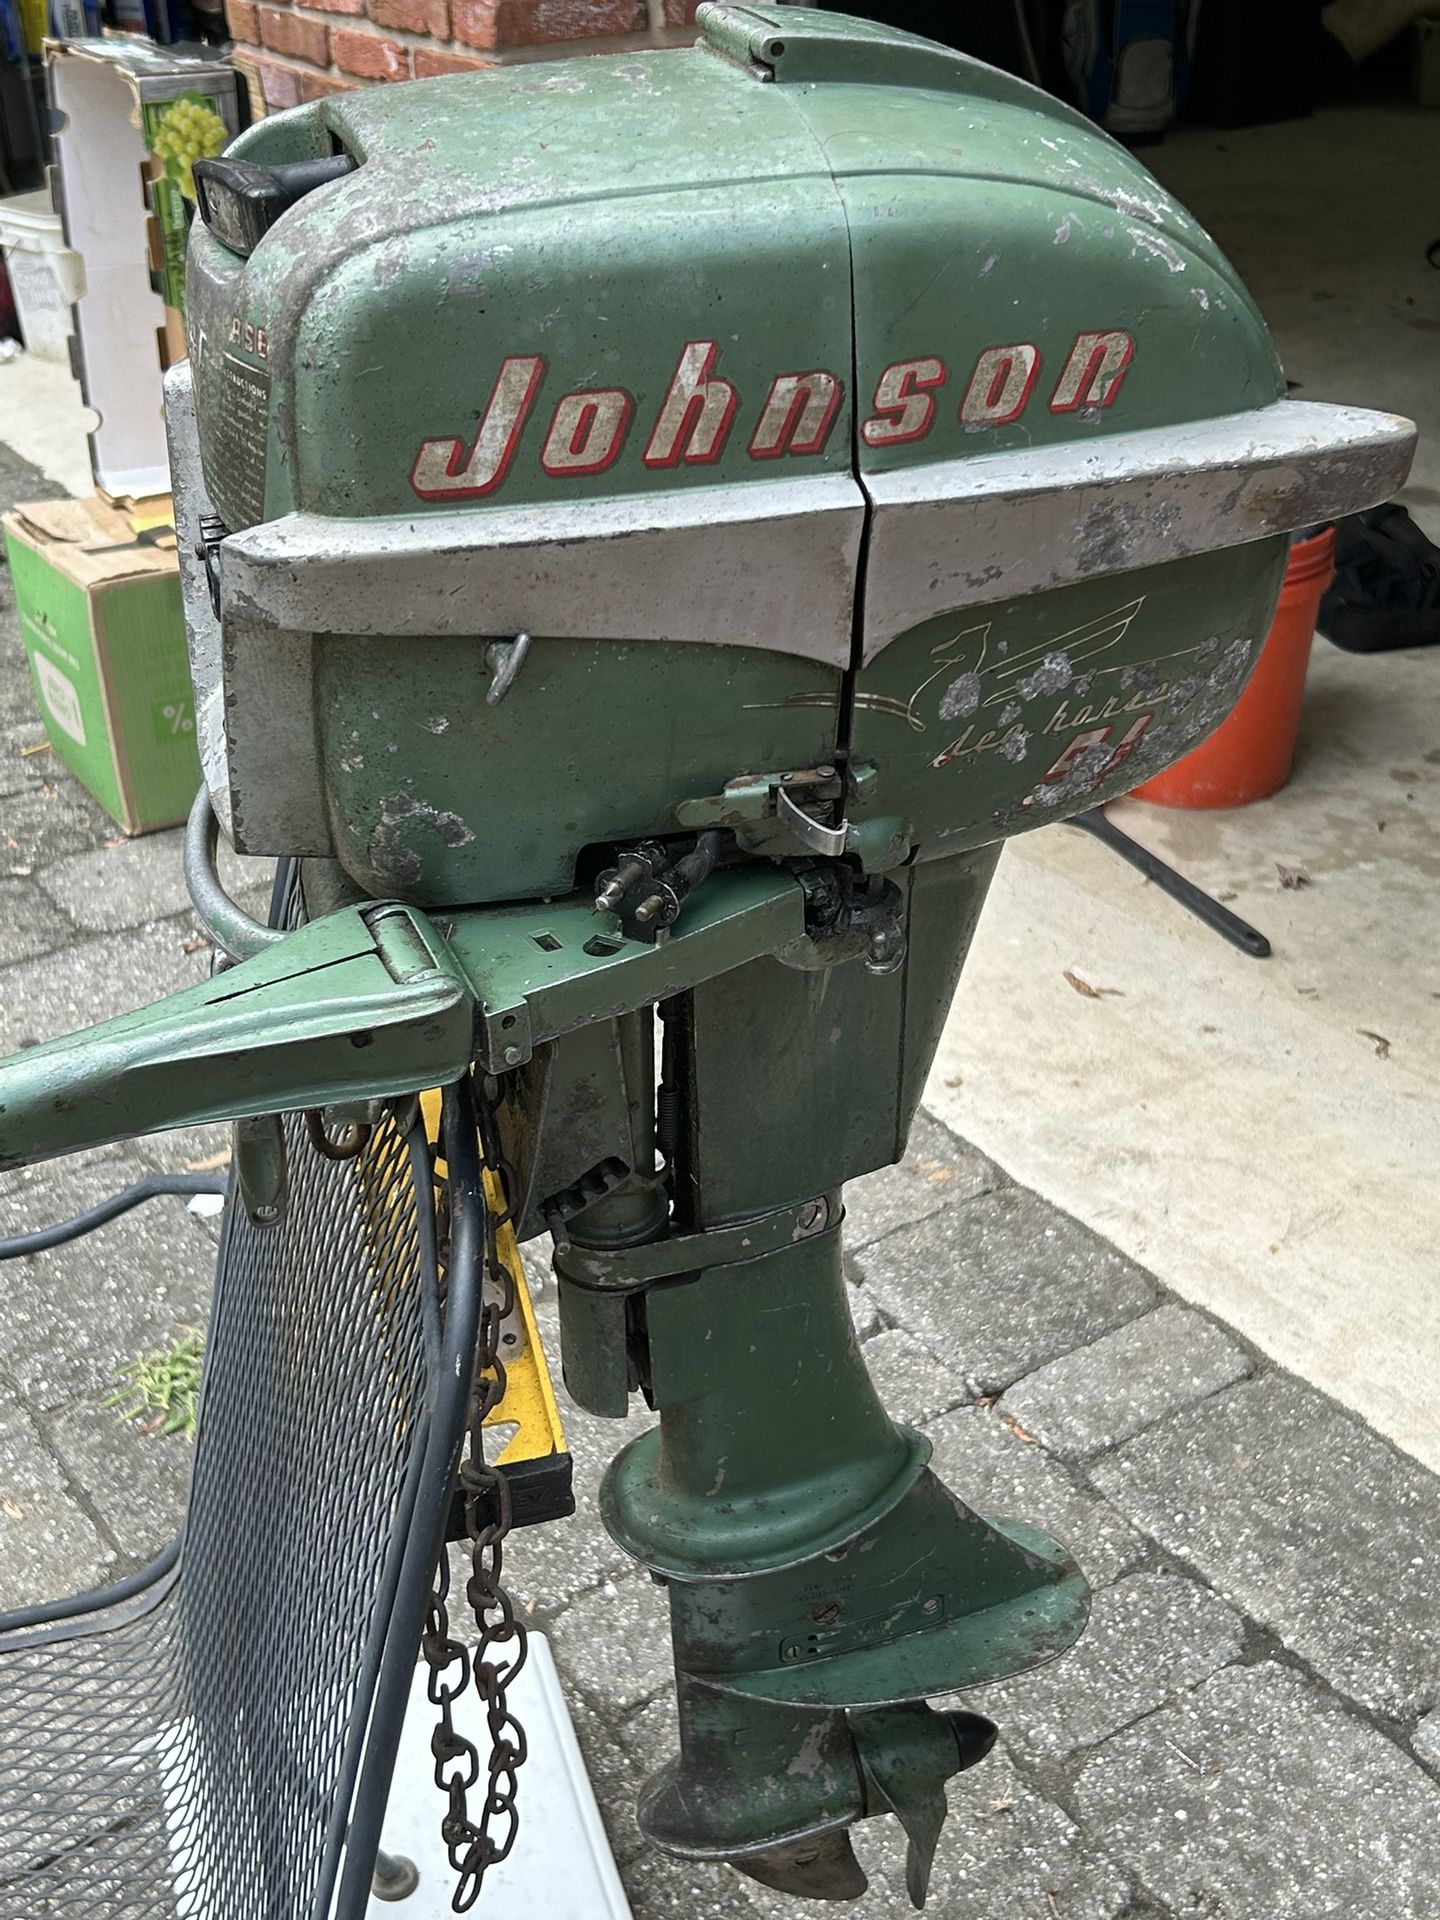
(471, 1843)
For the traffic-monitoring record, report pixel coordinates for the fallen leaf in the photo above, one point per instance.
(1088, 987)
(197, 943)
(1009, 1420)
(958, 1081)
(108, 844)
(1292, 878)
(39, 746)
(1382, 1045)
(15, 1513)
(212, 1163)
(933, 1171)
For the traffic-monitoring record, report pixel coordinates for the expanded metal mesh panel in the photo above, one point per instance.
(191, 1756)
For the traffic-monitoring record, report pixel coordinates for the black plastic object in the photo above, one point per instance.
(1386, 589)
(1253, 64)
(540, 1489)
(240, 201)
(1184, 892)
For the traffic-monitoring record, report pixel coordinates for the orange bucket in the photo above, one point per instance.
(1249, 755)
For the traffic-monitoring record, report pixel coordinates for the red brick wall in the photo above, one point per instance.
(296, 50)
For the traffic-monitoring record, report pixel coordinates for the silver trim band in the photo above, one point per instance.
(770, 564)
(963, 533)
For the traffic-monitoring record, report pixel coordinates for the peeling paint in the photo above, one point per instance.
(1161, 249)
(402, 813)
(1136, 206)
(810, 1758)
(1052, 675)
(962, 696)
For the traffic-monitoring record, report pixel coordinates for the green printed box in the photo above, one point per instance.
(103, 629)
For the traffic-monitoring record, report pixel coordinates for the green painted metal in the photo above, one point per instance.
(638, 174)
(822, 1773)
(365, 1002)
(991, 722)
(758, 1139)
(543, 969)
(405, 812)
(813, 1560)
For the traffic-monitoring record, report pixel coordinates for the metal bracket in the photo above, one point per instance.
(628, 1269)
(540, 970)
(809, 831)
(781, 815)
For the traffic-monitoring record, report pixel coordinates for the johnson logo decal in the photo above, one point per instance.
(588, 429)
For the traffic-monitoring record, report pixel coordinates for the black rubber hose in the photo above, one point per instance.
(155, 1184)
(98, 1599)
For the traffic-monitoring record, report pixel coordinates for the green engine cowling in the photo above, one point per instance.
(813, 399)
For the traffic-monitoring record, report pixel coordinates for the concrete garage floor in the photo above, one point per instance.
(1263, 1135)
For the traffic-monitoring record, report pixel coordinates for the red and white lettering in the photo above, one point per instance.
(1125, 746)
(1093, 371)
(1000, 385)
(799, 411)
(444, 471)
(1076, 749)
(904, 406)
(1086, 744)
(696, 412)
(587, 431)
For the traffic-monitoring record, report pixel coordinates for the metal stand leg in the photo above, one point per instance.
(1194, 899)
(396, 1878)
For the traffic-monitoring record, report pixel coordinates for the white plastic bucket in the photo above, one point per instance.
(44, 274)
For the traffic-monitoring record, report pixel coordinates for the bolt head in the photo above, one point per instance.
(511, 1056)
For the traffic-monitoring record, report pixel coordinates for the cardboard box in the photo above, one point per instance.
(102, 626)
(131, 118)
